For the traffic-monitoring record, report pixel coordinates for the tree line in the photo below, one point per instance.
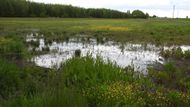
(23, 8)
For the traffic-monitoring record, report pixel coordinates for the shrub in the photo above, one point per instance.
(139, 14)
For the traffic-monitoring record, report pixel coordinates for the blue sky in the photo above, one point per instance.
(160, 8)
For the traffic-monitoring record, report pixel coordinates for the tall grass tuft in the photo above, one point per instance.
(87, 71)
(12, 49)
(54, 98)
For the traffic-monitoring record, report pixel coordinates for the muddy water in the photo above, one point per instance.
(139, 56)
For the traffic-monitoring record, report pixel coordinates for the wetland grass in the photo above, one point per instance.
(92, 82)
(176, 53)
(88, 82)
(161, 31)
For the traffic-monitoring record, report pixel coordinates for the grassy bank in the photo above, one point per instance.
(162, 31)
(88, 82)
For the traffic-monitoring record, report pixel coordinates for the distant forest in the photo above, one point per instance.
(23, 8)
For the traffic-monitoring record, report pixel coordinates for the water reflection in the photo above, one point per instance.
(140, 56)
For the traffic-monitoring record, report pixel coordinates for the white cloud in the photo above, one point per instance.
(159, 7)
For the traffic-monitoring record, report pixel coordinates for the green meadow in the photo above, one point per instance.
(161, 31)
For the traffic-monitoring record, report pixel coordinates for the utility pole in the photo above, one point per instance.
(173, 11)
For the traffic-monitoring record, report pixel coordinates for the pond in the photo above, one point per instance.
(139, 56)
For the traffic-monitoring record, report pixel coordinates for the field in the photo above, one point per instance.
(85, 81)
(169, 31)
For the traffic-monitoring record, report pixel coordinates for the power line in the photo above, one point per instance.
(173, 11)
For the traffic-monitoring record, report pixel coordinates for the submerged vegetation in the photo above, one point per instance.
(176, 53)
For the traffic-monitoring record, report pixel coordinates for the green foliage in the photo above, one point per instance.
(187, 54)
(12, 49)
(85, 81)
(178, 99)
(170, 77)
(10, 80)
(13, 8)
(103, 84)
(106, 85)
(113, 94)
(22, 8)
(154, 16)
(175, 53)
(139, 14)
(87, 71)
(16, 81)
(59, 98)
(178, 53)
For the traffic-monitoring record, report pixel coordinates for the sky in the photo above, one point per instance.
(161, 8)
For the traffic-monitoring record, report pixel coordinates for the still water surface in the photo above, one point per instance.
(140, 56)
